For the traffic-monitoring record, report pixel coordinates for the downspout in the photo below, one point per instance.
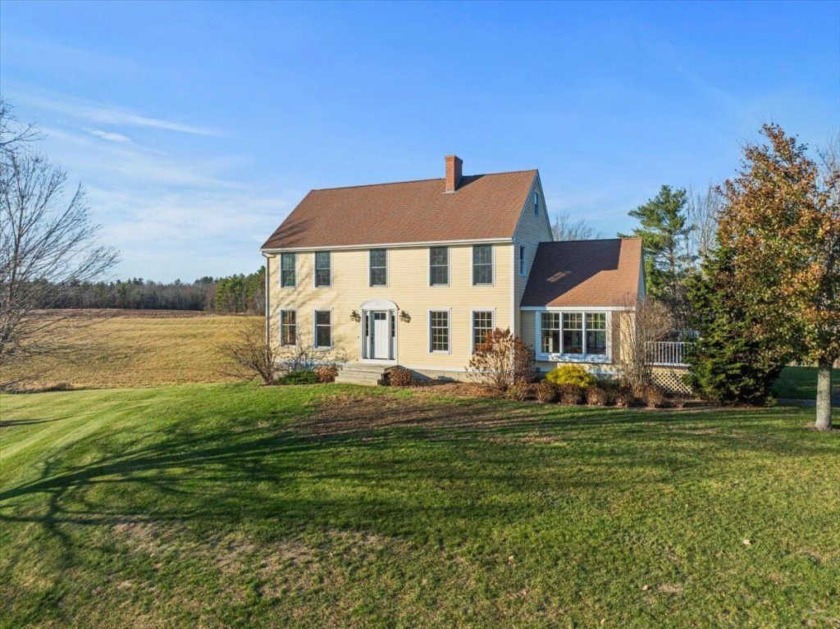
(267, 300)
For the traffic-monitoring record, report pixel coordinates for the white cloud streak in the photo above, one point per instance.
(110, 136)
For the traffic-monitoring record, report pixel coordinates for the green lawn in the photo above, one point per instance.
(220, 505)
(800, 383)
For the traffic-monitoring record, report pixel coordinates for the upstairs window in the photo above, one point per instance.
(287, 270)
(378, 267)
(438, 266)
(522, 261)
(536, 202)
(482, 265)
(323, 268)
(288, 327)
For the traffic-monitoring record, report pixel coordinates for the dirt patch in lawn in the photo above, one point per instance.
(363, 414)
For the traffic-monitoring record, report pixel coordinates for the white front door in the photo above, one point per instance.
(381, 336)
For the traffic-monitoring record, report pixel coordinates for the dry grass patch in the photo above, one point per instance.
(128, 348)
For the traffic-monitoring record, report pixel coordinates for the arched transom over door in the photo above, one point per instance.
(379, 329)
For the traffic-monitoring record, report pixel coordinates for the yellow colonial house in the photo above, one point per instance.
(415, 274)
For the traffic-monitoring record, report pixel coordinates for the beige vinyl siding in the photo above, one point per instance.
(408, 287)
(531, 230)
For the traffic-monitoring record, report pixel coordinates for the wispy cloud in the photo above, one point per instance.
(110, 136)
(107, 115)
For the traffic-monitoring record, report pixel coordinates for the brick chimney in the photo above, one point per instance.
(453, 173)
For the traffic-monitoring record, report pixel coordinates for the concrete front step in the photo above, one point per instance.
(360, 373)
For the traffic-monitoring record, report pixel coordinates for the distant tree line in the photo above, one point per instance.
(233, 294)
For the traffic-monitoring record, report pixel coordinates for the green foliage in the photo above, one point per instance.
(303, 376)
(241, 293)
(664, 231)
(571, 374)
(730, 362)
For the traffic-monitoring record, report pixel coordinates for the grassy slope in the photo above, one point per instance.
(234, 504)
(132, 348)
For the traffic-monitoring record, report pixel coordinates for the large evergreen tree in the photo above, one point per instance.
(664, 230)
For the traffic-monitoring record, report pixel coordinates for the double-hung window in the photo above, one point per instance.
(550, 324)
(288, 327)
(287, 270)
(438, 266)
(522, 270)
(378, 267)
(323, 328)
(536, 202)
(573, 333)
(482, 264)
(596, 333)
(482, 322)
(439, 331)
(323, 268)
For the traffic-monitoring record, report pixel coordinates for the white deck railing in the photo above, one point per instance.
(668, 353)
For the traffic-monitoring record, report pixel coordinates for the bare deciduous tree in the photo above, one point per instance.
(703, 211)
(47, 239)
(649, 321)
(564, 228)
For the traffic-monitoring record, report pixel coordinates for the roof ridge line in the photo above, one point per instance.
(396, 183)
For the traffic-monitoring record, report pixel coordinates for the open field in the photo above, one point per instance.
(222, 505)
(131, 348)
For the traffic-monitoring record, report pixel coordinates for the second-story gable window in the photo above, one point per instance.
(482, 264)
(522, 269)
(536, 202)
(287, 270)
(438, 266)
(378, 267)
(323, 268)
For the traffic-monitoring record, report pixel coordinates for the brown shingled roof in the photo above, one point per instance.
(482, 207)
(585, 273)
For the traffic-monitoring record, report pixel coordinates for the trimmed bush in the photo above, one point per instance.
(596, 396)
(303, 376)
(400, 377)
(571, 375)
(326, 373)
(570, 394)
(518, 391)
(546, 392)
(654, 397)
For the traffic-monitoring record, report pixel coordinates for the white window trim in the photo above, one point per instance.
(521, 259)
(315, 329)
(492, 266)
(448, 268)
(429, 330)
(536, 202)
(572, 358)
(315, 269)
(492, 312)
(282, 344)
(280, 274)
(387, 268)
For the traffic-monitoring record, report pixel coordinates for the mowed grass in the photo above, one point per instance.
(130, 348)
(800, 383)
(238, 505)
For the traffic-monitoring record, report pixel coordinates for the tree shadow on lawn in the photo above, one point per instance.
(383, 464)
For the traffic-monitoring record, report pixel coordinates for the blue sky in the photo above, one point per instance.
(197, 127)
